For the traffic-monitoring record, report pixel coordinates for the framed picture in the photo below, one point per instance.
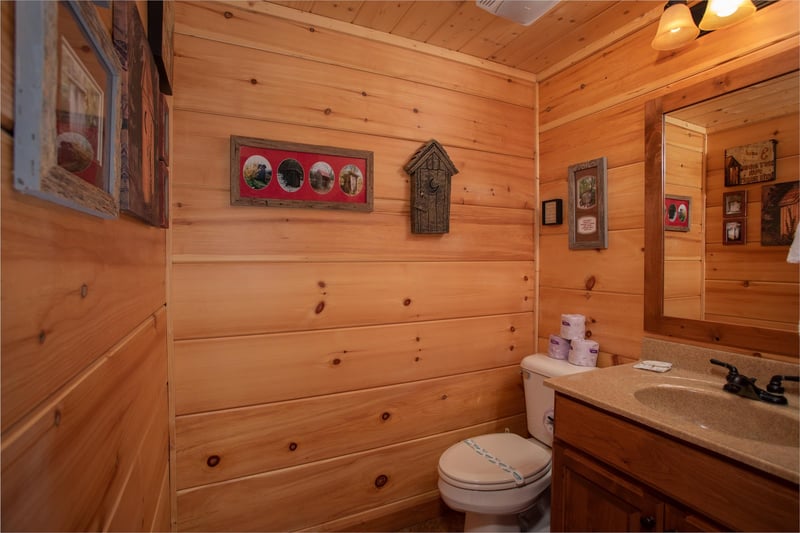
(588, 219)
(734, 231)
(280, 174)
(67, 97)
(734, 204)
(751, 163)
(780, 211)
(140, 98)
(160, 24)
(552, 212)
(677, 213)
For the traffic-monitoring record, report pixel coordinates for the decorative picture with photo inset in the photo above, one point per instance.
(282, 174)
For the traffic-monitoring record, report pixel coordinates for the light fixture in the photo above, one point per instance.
(676, 27)
(722, 13)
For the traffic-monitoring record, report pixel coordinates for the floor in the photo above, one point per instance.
(448, 521)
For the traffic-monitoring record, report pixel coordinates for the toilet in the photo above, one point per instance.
(501, 481)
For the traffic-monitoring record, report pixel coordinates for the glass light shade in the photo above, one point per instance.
(722, 13)
(676, 28)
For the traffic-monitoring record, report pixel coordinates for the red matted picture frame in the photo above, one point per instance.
(271, 173)
(677, 213)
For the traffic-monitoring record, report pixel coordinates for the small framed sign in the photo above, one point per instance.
(588, 219)
(734, 204)
(280, 174)
(552, 212)
(734, 231)
(751, 163)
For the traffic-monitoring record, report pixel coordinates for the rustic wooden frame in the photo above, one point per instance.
(36, 168)
(139, 191)
(727, 209)
(673, 222)
(727, 237)
(590, 231)
(719, 333)
(275, 193)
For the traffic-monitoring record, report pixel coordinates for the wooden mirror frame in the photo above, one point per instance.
(732, 335)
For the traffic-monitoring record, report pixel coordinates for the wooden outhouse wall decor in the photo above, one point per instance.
(431, 171)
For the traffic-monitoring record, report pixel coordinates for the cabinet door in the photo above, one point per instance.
(588, 497)
(676, 519)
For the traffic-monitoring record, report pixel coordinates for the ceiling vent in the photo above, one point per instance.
(520, 11)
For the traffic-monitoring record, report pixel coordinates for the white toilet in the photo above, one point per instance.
(501, 480)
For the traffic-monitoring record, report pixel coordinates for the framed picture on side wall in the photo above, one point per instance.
(677, 213)
(67, 100)
(140, 115)
(588, 218)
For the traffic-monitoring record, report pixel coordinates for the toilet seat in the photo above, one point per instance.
(494, 462)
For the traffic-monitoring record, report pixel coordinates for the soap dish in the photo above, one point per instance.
(653, 366)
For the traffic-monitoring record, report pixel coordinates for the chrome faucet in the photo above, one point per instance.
(744, 386)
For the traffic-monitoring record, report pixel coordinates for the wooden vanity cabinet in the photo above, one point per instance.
(611, 474)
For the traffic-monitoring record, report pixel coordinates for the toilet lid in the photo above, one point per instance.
(494, 462)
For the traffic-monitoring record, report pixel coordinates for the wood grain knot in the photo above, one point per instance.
(312, 29)
(588, 334)
(228, 15)
(386, 416)
(337, 361)
(512, 329)
(381, 480)
(511, 348)
(524, 278)
(57, 417)
(84, 290)
(745, 283)
(590, 283)
(328, 111)
(213, 461)
(42, 337)
(319, 308)
(292, 446)
(407, 302)
(253, 81)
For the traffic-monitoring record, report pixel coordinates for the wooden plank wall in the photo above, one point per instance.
(684, 251)
(751, 284)
(84, 359)
(324, 359)
(596, 108)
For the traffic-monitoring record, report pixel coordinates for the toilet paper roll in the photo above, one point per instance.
(584, 352)
(573, 326)
(559, 347)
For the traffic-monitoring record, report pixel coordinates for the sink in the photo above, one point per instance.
(725, 413)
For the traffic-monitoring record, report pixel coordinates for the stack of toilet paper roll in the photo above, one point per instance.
(571, 344)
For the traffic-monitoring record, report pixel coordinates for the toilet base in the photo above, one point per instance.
(536, 519)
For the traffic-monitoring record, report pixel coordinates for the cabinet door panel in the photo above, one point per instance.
(591, 498)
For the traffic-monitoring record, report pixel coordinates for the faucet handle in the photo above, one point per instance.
(732, 371)
(776, 385)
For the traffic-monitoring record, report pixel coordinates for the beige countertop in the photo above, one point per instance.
(760, 443)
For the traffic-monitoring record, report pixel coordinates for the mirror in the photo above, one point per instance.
(710, 273)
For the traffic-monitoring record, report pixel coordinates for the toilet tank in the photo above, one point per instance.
(539, 399)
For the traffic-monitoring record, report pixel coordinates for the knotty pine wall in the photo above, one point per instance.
(684, 251)
(84, 359)
(596, 108)
(751, 284)
(324, 359)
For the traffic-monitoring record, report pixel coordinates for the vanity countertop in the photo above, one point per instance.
(612, 389)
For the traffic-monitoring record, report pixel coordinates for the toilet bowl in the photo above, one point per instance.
(501, 481)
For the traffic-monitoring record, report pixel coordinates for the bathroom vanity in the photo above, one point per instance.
(639, 451)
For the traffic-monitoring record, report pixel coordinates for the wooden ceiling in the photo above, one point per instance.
(763, 101)
(563, 36)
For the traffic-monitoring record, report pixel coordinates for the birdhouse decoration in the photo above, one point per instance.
(431, 171)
